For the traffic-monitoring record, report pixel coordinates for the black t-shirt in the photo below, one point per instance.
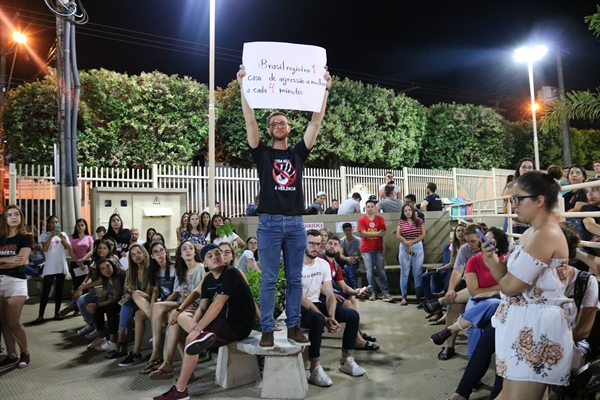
(434, 203)
(239, 309)
(574, 197)
(10, 248)
(587, 235)
(280, 176)
(331, 211)
(123, 239)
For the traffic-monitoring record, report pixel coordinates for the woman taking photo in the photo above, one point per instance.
(534, 342)
(16, 245)
(55, 245)
(411, 232)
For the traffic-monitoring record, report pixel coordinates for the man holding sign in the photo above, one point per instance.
(280, 209)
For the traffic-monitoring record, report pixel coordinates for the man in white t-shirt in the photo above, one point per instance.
(315, 315)
(389, 180)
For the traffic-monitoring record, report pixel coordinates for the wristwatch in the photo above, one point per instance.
(178, 310)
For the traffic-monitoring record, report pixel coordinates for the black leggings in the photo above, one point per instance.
(58, 291)
(112, 316)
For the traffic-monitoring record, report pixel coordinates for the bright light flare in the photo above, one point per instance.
(530, 54)
(535, 106)
(19, 37)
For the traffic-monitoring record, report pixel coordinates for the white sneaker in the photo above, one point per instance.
(97, 342)
(108, 346)
(351, 368)
(85, 330)
(92, 335)
(319, 377)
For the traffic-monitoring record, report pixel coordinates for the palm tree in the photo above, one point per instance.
(576, 104)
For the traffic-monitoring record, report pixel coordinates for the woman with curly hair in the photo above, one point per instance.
(16, 246)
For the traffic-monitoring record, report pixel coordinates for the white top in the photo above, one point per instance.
(56, 256)
(243, 261)
(313, 277)
(229, 239)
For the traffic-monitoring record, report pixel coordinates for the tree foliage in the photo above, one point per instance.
(585, 146)
(364, 125)
(466, 136)
(124, 121)
(520, 138)
(576, 104)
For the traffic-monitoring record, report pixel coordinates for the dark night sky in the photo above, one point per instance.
(452, 50)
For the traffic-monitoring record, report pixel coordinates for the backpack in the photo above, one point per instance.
(593, 338)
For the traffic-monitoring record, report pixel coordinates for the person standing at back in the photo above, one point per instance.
(280, 209)
(432, 201)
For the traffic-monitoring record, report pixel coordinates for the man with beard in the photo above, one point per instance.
(316, 315)
(280, 209)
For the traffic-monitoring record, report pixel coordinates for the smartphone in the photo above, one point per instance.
(57, 228)
(364, 289)
(484, 238)
(432, 270)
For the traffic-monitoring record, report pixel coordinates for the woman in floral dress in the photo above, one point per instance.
(533, 336)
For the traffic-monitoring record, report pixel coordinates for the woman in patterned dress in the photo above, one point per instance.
(533, 335)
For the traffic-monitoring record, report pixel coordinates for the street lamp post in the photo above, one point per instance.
(530, 55)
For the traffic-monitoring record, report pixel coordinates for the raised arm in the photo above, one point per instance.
(252, 132)
(310, 136)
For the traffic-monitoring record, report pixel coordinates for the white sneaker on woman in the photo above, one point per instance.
(319, 377)
(85, 330)
(108, 346)
(92, 335)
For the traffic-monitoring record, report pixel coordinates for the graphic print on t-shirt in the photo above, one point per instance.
(284, 175)
(8, 250)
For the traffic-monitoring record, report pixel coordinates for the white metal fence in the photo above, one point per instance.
(32, 187)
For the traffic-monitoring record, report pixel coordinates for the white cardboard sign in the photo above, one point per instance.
(284, 76)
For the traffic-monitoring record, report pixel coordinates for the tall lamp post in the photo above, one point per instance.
(531, 54)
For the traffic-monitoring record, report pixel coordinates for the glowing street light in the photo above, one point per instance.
(530, 55)
(19, 37)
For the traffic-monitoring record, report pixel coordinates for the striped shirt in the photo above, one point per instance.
(410, 231)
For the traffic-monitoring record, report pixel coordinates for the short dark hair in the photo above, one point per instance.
(389, 189)
(370, 201)
(313, 232)
(572, 235)
(100, 229)
(347, 225)
(540, 184)
(335, 200)
(501, 239)
(334, 237)
(595, 161)
(432, 186)
(411, 197)
(275, 114)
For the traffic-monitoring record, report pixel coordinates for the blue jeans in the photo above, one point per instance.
(127, 312)
(274, 233)
(433, 283)
(479, 314)
(406, 261)
(376, 258)
(350, 272)
(82, 303)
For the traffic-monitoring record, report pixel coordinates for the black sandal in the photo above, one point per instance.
(432, 306)
(368, 337)
(446, 353)
(152, 365)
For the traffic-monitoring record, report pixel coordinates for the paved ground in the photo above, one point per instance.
(405, 368)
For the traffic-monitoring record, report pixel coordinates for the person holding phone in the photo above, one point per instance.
(55, 245)
(411, 232)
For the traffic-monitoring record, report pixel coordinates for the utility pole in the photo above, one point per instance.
(3, 53)
(565, 126)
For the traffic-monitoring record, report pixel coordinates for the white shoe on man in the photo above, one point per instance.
(350, 367)
(319, 377)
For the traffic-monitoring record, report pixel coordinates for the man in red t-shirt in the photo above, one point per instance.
(372, 230)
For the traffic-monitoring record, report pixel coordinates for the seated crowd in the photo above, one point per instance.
(202, 298)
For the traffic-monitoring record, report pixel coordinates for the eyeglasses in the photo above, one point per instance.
(252, 242)
(516, 200)
(282, 124)
(314, 244)
(227, 252)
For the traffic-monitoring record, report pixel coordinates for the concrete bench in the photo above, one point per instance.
(237, 365)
